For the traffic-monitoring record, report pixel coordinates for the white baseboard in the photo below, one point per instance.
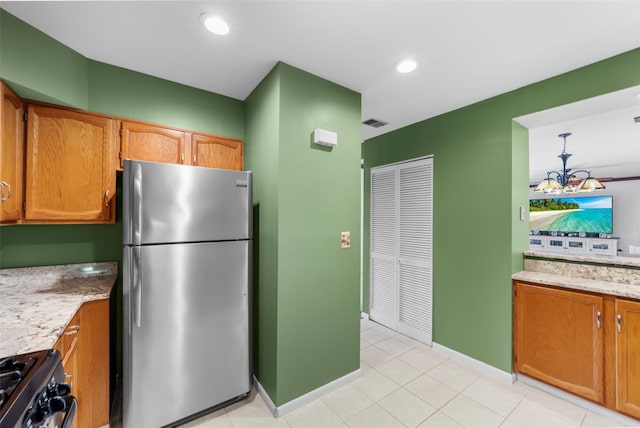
(307, 398)
(585, 404)
(364, 316)
(264, 395)
(494, 371)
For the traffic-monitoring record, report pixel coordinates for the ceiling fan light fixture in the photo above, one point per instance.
(215, 24)
(406, 65)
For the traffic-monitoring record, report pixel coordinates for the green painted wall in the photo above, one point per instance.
(125, 93)
(313, 197)
(262, 157)
(38, 67)
(478, 237)
(319, 194)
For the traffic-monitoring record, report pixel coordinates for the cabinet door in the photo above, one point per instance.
(70, 175)
(68, 345)
(70, 362)
(628, 357)
(11, 155)
(141, 141)
(217, 152)
(558, 339)
(93, 367)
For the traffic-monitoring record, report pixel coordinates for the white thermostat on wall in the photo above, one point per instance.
(325, 138)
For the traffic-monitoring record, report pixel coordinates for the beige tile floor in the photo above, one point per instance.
(407, 384)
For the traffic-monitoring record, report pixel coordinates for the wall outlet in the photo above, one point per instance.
(345, 239)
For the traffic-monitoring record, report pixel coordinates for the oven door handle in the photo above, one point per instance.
(70, 413)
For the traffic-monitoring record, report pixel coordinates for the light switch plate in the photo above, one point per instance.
(345, 239)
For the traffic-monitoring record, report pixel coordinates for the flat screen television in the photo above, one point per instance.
(588, 215)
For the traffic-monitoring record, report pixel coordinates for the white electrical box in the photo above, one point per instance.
(325, 138)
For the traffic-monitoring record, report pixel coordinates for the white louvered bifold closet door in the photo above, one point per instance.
(415, 243)
(401, 247)
(384, 246)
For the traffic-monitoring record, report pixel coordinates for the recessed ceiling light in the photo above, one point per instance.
(406, 66)
(214, 23)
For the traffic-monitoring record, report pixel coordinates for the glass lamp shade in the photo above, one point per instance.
(548, 185)
(590, 184)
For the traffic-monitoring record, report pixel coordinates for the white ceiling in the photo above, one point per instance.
(605, 138)
(467, 50)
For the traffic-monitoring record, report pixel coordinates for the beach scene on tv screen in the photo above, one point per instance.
(593, 214)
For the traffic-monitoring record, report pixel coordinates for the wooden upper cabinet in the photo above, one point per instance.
(141, 141)
(217, 152)
(70, 169)
(627, 335)
(559, 339)
(11, 155)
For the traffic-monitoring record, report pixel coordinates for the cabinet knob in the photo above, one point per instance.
(194, 159)
(2, 192)
(106, 198)
(598, 315)
(181, 157)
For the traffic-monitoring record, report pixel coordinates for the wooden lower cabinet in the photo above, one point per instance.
(84, 346)
(559, 339)
(627, 321)
(584, 343)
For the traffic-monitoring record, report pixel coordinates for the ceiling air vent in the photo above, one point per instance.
(374, 122)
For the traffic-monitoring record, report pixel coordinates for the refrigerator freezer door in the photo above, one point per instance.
(186, 329)
(164, 203)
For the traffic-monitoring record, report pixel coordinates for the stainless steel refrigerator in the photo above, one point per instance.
(187, 243)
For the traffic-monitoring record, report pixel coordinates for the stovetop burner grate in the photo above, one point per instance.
(12, 371)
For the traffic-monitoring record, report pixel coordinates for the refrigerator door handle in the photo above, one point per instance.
(136, 275)
(136, 202)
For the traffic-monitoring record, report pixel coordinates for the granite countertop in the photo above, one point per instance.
(628, 260)
(38, 302)
(596, 286)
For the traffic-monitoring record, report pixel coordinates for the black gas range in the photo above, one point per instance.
(32, 392)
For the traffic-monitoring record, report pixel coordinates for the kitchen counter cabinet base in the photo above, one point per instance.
(551, 328)
(585, 343)
(627, 321)
(84, 347)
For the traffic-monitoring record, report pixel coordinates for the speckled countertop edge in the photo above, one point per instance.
(36, 303)
(604, 287)
(619, 261)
